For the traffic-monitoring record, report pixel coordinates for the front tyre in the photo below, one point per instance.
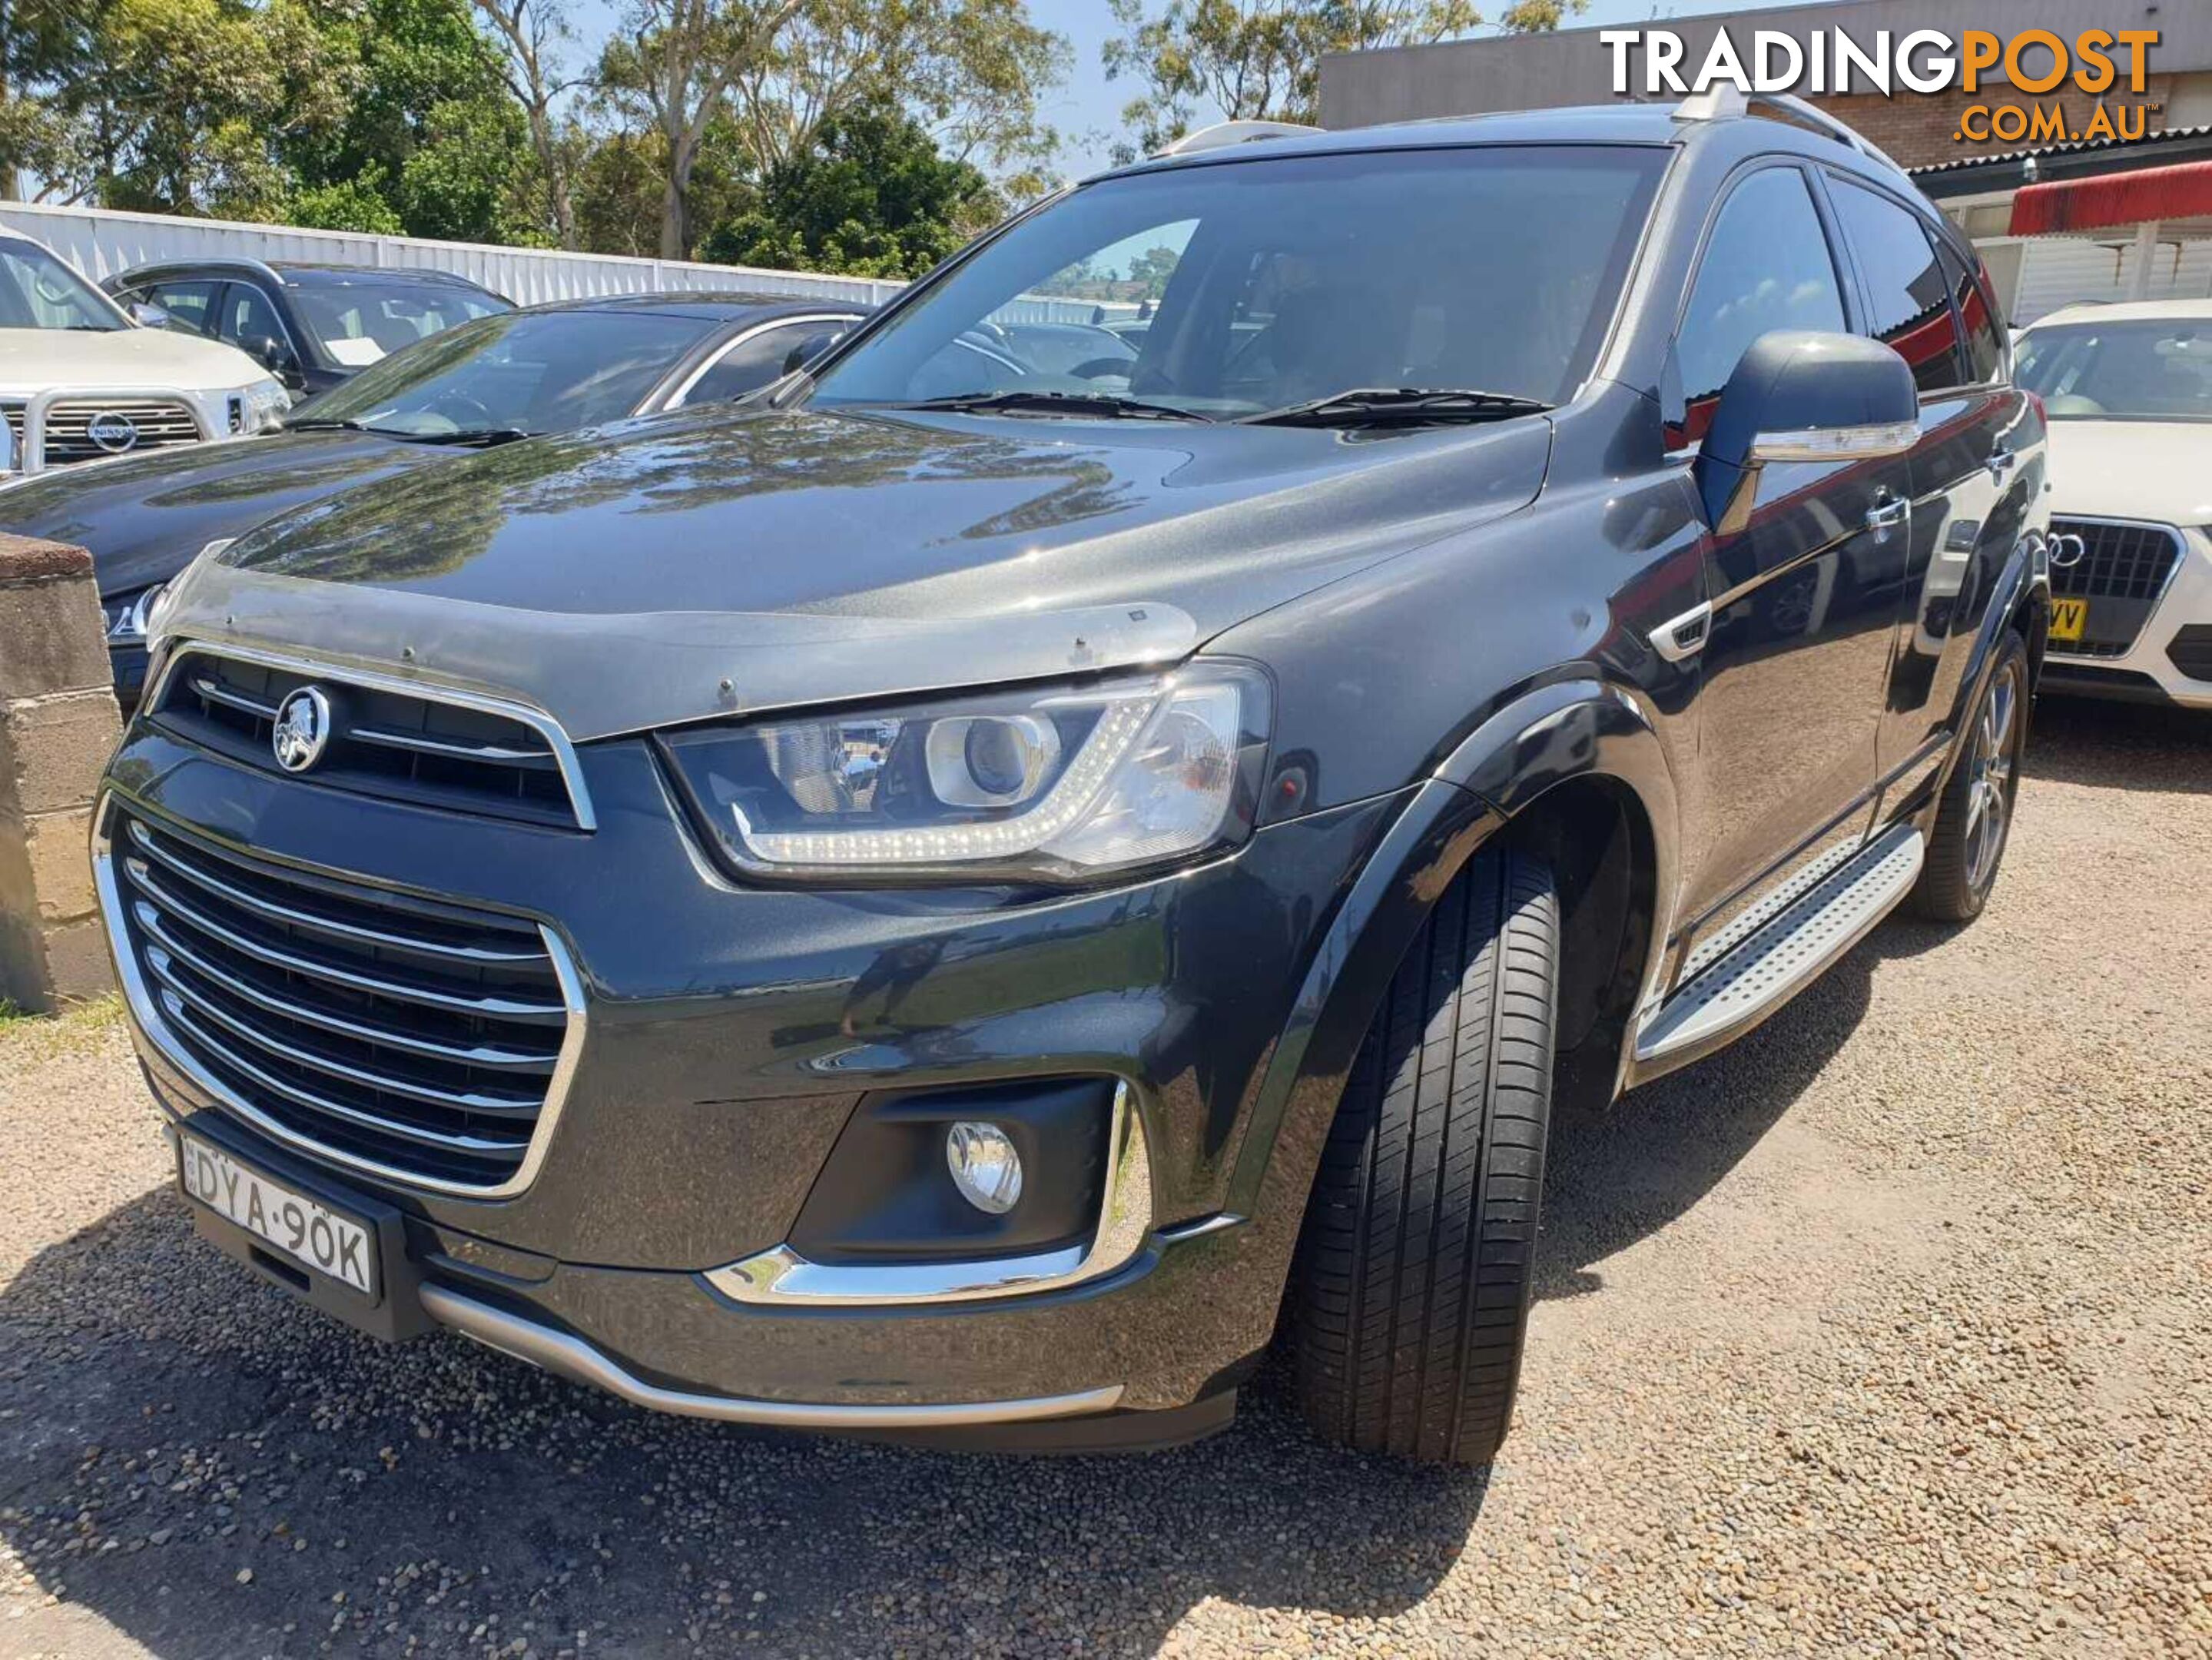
(1974, 821)
(1410, 1294)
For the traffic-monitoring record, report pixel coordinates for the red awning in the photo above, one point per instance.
(2181, 191)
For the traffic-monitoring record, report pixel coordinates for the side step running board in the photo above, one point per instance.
(1776, 958)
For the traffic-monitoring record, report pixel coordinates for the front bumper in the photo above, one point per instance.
(731, 1035)
(2156, 668)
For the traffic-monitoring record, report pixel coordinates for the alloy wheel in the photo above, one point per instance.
(1990, 779)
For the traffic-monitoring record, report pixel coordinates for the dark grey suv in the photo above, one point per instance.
(964, 897)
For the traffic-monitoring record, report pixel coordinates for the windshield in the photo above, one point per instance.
(38, 291)
(2159, 369)
(1263, 283)
(358, 323)
(533, 372)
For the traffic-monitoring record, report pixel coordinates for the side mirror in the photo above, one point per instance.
(812, 347)
(1803, 397)
(149, 317)
(273, 354)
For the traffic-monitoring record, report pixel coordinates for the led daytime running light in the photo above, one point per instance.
(1116, 733)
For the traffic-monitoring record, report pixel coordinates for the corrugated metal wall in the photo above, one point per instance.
(101, 243)
(2057, 271)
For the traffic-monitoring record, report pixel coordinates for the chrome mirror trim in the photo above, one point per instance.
(1837, 443)
(781, 1275)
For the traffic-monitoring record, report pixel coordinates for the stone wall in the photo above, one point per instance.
(58, 725)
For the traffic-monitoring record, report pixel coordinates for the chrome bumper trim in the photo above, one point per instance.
(579, 1361)
(781, 1275)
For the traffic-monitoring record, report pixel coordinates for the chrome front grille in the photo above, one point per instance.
(2123, 572)
(159, 423)
(421, 1041)
(387, 739)
(68, 428)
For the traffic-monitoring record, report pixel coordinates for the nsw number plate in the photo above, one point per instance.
(2069, 620)
(311, 1234)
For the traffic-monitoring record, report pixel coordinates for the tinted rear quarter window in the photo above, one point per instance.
(1985, 344)
(1909, 299)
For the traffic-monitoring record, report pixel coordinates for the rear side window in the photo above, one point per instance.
(752, 364)
(1765, 266)
(186, 303)
(247, 315)
(1977, 320)
(1909, 301)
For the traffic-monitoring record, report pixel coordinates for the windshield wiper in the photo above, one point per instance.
(487, 436)
(326, 426)
(1112, 406)
(1378, 406)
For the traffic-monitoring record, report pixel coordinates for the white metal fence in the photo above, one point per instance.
(101, 243)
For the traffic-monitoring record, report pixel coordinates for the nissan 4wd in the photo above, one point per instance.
(961, 899)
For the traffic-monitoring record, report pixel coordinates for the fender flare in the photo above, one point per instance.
(1565, 730)
(2023, 586)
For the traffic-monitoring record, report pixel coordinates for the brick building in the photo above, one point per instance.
(1976, 178)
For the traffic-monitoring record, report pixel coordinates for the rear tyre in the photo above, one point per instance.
(1410, 1297)
(1974, 821)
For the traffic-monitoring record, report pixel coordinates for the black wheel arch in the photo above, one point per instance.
(2019, 599)
(1576, 770)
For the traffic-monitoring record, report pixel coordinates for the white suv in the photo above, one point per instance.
(81, 381)
(2129, 392)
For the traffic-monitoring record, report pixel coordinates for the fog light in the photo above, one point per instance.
(985, 1166)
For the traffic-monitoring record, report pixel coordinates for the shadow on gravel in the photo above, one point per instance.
(1609, 1180)
(2079, 740)
(168, 1424)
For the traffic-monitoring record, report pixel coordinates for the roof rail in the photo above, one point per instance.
(1222, 134)
(260, 268)
(1724, 100)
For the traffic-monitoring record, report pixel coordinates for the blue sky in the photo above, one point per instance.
(1091, 105)
(1090, 100)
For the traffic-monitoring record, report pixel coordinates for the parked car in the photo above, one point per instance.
(2129, 391)
(80, 381)
(1078, 349)
(509, 375)
(951, 900)
(311, 325)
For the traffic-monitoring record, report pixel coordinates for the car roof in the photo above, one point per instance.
(2126, 311)
(303, 274)
(717, 304)
(1752, 132)
(1615, 124)
(294, 273)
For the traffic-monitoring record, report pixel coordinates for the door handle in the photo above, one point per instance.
(1682, 638)
(1887, 515)
(2001, 462)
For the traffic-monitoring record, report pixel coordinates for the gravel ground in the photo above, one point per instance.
(1887, 1332)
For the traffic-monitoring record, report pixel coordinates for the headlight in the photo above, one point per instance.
(130, 617)
(263, 407)
(1060, 784)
